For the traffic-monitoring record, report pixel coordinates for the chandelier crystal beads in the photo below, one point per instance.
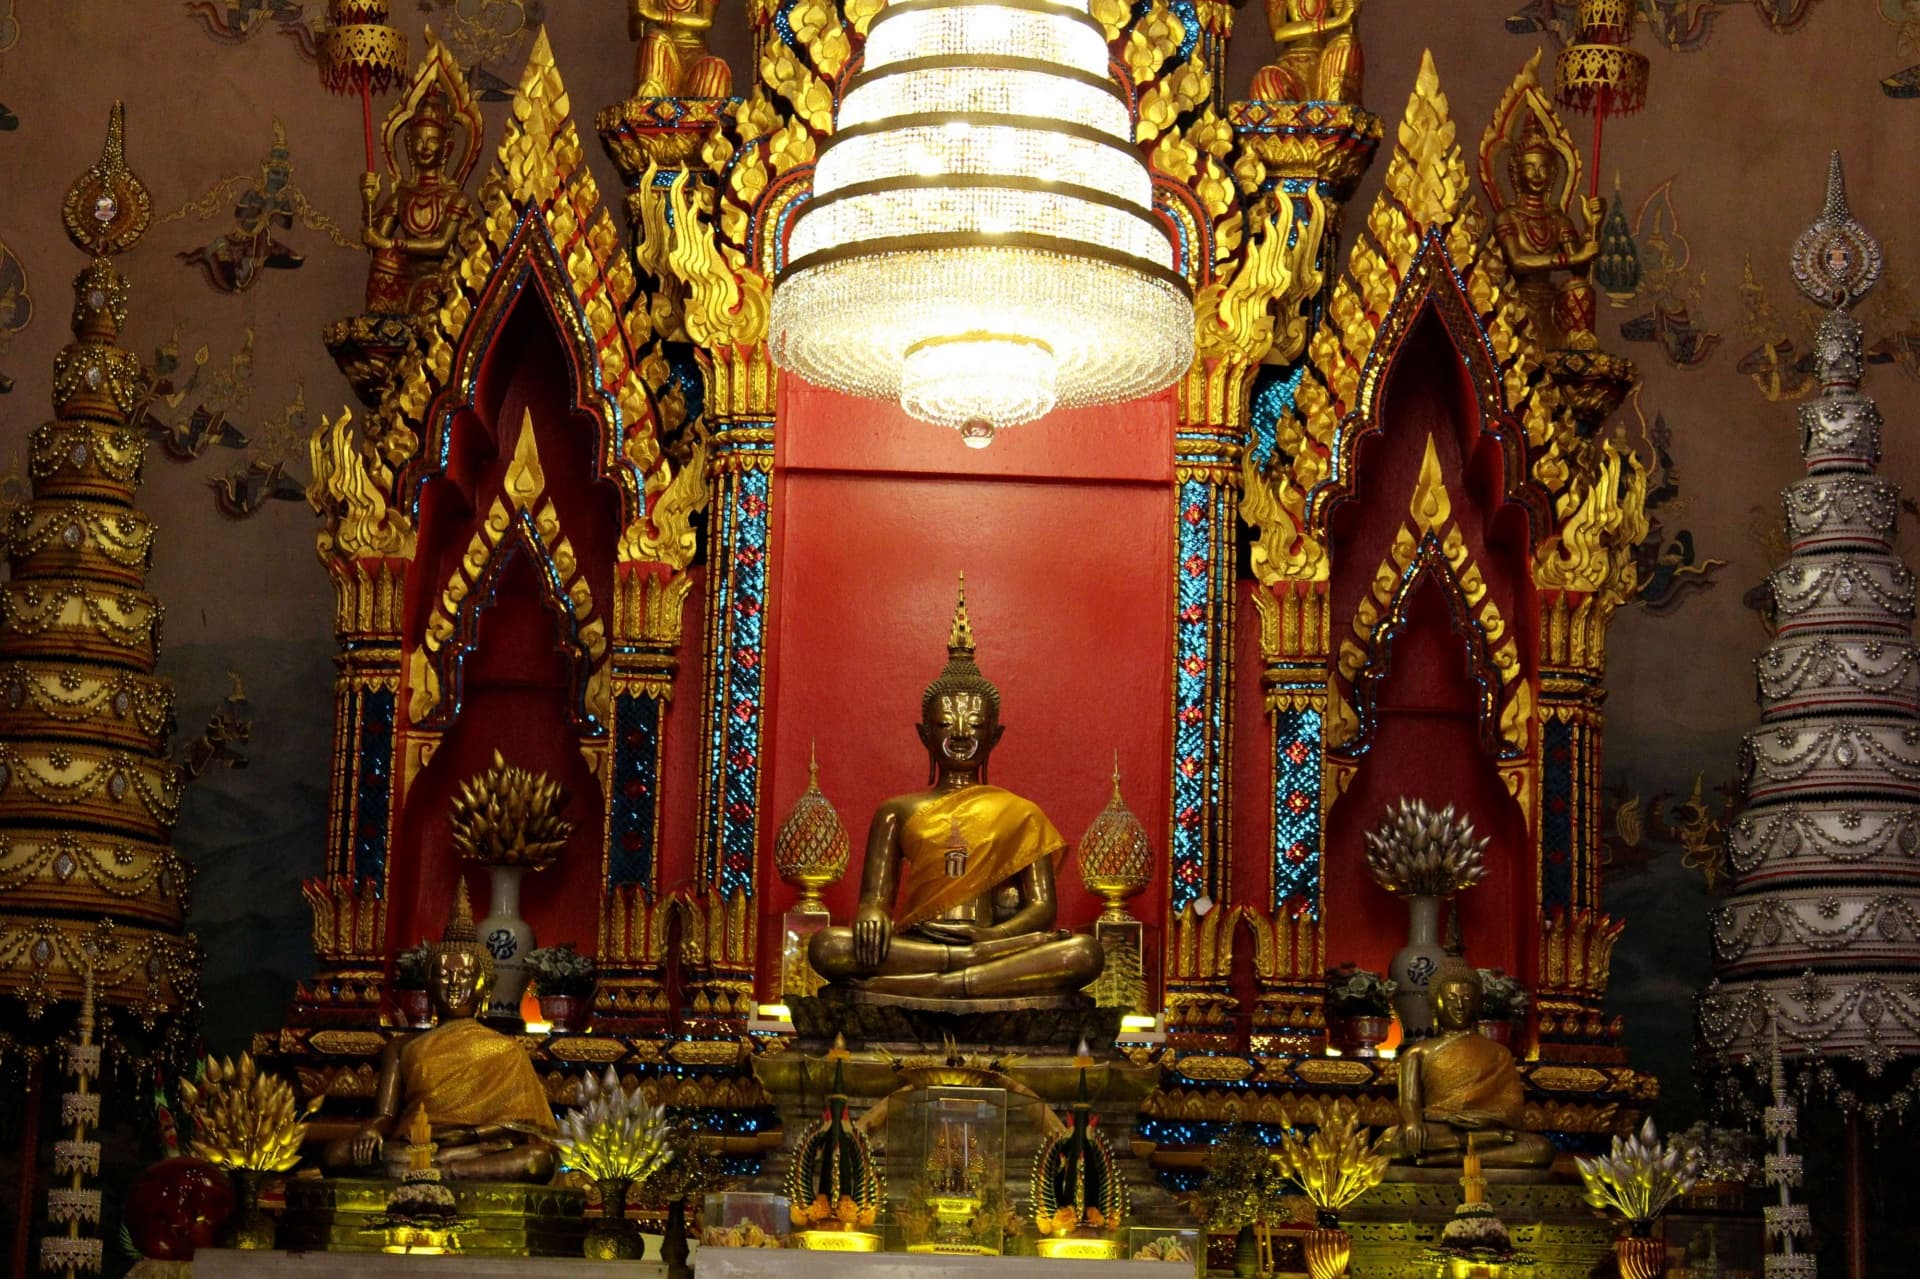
(981, 243)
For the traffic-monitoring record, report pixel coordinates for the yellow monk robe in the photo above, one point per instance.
(1004, 835)
(465, 1074)
(1469, 1076)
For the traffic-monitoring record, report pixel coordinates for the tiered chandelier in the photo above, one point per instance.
(981, 241)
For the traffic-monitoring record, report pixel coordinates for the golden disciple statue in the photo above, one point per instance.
(1551, 258)
(485, 1106)
(412, 232)
(673, 61)
(1317, 53)
(957, 890)
(1460, 1087)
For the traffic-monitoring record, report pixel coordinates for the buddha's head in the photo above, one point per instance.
(459, 969)
(1454, 994)
(427, 131)
(1534, 163)
(960, 711)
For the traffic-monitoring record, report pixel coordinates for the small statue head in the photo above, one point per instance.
(960, 711)
(1533, 164)
(1454, 994)
(427, 130)
(459, 969)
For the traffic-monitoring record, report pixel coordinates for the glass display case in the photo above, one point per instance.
(946, 1161)
(1182, 1246)
(738, 1219)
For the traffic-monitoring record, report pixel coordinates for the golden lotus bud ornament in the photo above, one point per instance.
(811, 849)
(510, 816)
(1116, 859)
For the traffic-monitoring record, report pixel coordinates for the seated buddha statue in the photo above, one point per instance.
(484, 1103)
(412, 232)
(1537, 235)
(956, 890)
(1459, 1085)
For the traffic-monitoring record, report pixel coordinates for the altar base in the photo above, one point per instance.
(1396, 1222)
(511, 1219)
(866, 1017)
(225, 1263)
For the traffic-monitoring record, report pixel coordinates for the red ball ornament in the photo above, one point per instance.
(176, 1206)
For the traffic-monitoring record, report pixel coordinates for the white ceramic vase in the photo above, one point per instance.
(508, 939)
(1414, 965)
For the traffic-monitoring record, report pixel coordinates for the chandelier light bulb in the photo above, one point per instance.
(981, 243)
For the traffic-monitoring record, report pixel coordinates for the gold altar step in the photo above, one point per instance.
(511, 1219)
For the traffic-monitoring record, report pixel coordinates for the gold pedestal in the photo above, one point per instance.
(511, 1219)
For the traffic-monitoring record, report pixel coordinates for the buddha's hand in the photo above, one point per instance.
(872, 936)
(951, 932)
(366, 1145)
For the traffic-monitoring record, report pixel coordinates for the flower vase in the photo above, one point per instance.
(673, 1241)
(249, 1228)
(1500, 1031)
(1414, 965)
(1246, 1253)
(1328, 1249)
(508, 939)
(613, 1237)
(1641, 1256)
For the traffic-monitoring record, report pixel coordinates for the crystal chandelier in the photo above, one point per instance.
(981, 242)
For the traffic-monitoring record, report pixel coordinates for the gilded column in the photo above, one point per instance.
(89, 883)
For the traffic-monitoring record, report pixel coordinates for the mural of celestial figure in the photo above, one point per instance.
(413, 230)
(1317, 52)
(235, 260)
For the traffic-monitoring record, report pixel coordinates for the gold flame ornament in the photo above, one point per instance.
(1337, 1164)
(510, 816)
(1116, 858)
(811, 849)
(244, 1117)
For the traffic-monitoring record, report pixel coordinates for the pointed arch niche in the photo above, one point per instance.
(506, 619)
(1433, 631)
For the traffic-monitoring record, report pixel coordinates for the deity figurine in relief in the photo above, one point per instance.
(1549, 254)
(1316, 53)
(412, 233)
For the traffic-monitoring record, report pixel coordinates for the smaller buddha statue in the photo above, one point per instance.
(957, 888)
(487, 1111)
(1537, 235)
(412, 232)
(1317, 53)
(673, 61)
(1460, 1090)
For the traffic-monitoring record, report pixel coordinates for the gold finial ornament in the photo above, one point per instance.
(811, 849)
(1116, 857)
(510, 816)
(107, 208)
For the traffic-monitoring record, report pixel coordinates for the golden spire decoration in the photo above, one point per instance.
(86, 785)
(1116, 857)
(811, 849)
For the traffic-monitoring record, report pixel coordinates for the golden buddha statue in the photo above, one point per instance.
(1537, 236)
(673, 61)
(1317, 53)
(1459, 1089)
(974, 918)
(486, 1108)
(412, 232)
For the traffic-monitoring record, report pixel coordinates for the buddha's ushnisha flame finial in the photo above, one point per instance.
(460, 919)
(960, 639)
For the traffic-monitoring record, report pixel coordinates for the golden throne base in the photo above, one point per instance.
(511, 1219)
